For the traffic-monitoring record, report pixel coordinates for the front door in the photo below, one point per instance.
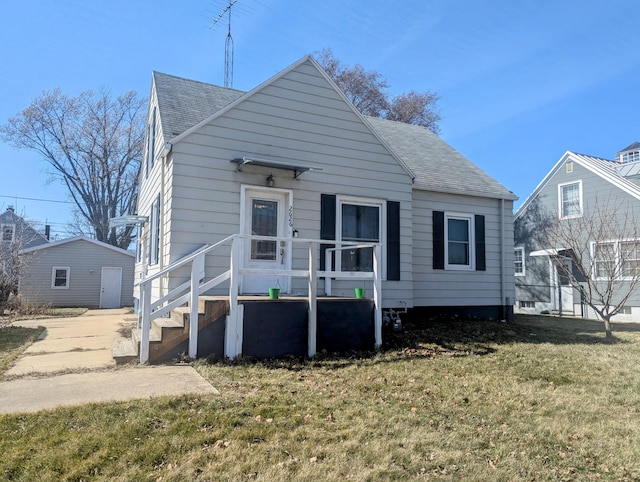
(265, 214)
(563, 289)
(110, 287)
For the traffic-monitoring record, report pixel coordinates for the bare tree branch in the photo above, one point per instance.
(94, 145)
(367, 91)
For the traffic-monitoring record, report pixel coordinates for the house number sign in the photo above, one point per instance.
(290, 216)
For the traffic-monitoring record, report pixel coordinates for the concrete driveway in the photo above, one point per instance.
(72, 363)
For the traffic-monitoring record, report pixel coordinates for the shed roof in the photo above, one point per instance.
(76, 239)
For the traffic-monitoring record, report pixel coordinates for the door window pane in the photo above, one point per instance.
(359, 224)
(264, 222)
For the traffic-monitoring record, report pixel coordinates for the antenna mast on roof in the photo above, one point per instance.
(228, 45)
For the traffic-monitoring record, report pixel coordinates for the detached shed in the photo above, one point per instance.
(79, 271)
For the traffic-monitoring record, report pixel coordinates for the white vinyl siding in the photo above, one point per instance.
(433, 287)
(302, 120)
(84, 261)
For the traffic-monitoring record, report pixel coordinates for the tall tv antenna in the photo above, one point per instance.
(228, 45)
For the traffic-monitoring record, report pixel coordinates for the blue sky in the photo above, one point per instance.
(521, 81)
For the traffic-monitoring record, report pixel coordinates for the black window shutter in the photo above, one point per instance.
(327, 225)
(481, 260)
(393, 240)
(438, 240)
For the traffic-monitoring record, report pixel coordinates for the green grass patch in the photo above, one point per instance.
(539, 399)
(13, 341)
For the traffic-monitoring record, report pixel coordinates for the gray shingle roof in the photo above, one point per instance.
(183, 103)
(437, 166)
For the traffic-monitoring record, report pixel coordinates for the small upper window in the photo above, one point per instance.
(60, 278)
(8, 231)
(519, 261)
(570, 200)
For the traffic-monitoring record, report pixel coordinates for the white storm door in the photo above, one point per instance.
(110, 287)
(265, 215)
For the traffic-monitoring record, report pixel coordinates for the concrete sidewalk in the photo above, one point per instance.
(72, 363)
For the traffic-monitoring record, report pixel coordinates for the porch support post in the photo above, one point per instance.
(197, 273)
(145, 327)
(377, 294)
(328, 263)
(233, 332)
(313, 302)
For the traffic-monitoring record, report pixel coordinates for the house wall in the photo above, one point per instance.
(447, 288)
(85, 261)
(153, 183)
(535, 285)
(296, 118)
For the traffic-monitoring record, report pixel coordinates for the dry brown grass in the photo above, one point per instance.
(539, 399)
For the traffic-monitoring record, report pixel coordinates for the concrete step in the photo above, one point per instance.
(125, 351)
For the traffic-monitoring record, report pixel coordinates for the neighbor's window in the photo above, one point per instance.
(8, 231)
(360, 222)
(570, 197)
(527, 304)
(604, 257)
(630, 258)
(60, 277)
(519, 261)
(617, 259)
(458, 241)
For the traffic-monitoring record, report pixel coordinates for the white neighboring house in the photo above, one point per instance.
(293, 158)
(78, 271)
(570, 189)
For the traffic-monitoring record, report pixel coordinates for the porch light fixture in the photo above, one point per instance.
(297, 168)
(270, 181)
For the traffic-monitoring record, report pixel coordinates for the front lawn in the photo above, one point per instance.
(539, 399)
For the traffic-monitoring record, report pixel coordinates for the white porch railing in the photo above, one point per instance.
(197, 285)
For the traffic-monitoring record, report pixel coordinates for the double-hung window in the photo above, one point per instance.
(8, 232)
(458, 241)
(570, 200)
(519, 261)
(60, 277)
(359, 221)
(616, 259)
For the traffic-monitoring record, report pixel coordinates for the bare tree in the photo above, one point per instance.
(599, 253)
(367, 91)
(94, 145)
(13, 265)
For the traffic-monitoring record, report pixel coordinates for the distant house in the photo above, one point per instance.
(14, 229)
(572, 188)
(294, 161)
(78, 272)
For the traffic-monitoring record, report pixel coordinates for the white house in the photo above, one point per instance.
(294, 161)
